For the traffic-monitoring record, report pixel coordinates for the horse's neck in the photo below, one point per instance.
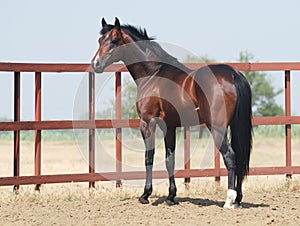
(141, 64)
(143, 70)
(145, 64)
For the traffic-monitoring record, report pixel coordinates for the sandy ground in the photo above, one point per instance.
(263, 208)
(267, 200)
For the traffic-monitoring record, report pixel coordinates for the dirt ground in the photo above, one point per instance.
(279, 208)
(268, 200)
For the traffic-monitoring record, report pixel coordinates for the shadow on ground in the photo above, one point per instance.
(206, 202)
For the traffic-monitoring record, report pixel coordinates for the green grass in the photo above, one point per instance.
(54, 135)
(277, 131)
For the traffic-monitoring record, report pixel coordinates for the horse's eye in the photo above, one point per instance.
(115, 41)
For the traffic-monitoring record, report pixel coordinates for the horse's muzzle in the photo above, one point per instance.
(98, 68)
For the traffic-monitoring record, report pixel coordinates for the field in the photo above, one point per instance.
(268, 200)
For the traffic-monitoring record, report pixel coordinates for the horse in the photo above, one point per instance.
(170, 95)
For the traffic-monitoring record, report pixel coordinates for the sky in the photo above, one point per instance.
(67, 31)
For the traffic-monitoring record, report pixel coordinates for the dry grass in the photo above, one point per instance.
(65, 157)
(108, 190)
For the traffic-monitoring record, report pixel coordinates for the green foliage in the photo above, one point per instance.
(58, 135)
(263, 93)
(275, 131)
(129, 91)
(47, 135)
(24, 135)
(129, 99)
(201, 59)
(7, 135)
(263, 96)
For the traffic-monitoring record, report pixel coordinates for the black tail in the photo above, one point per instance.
(241, 125)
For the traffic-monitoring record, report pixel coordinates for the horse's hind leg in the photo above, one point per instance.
(239, 196)
(148, 133)
(170, 163)
(221, 141)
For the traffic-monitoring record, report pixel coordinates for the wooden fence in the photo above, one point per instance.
(118, 123)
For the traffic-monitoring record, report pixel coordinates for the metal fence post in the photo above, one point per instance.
(37, 133)
(187, 154)
(17, 113)
(288, 136)
(91, 130)
(217, 165)
(118, 98)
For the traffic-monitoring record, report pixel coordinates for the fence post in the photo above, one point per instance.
(118, 98)
(187, 154)
(92, 130)
(37, 133)
(288, 137)
(217, 164)
(17, 111)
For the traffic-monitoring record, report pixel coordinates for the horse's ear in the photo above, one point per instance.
(117, 24)
(103, 22)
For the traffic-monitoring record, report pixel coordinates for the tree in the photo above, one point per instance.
(263, 92)
(129, 91)
(129, 98)
(201, 59)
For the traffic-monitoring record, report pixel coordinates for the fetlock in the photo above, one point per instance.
(144, 197)
(238, 199)
(172, 193)
(231, 197)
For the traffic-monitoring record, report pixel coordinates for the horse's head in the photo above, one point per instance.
(108, 52)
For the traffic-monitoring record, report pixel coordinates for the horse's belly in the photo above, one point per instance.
(183, 117)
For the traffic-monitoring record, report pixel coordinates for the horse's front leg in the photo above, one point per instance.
(170, 163)
(148, 133)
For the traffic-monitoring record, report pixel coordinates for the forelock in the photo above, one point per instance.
(106, 29)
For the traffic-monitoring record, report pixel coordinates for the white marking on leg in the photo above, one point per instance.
(231, 196)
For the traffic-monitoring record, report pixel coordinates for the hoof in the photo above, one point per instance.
(233, 206)
(143, 200)
(171, 202)
(238, 206)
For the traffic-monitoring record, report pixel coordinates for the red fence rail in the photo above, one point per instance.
(118, 123)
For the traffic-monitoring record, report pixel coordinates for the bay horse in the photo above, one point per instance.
(171, 95)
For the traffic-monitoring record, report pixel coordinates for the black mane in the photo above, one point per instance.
(140, 34)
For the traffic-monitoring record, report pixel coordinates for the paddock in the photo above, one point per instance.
(271, 193)
(118, 123)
